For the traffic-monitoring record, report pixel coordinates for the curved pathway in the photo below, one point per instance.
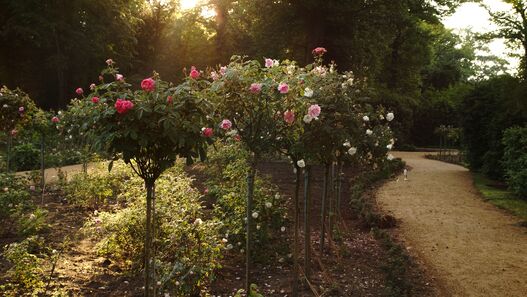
(471, 247)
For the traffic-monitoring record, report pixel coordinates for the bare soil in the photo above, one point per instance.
(471, 247)
(355, 266)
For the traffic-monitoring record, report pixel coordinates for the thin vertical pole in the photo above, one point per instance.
(331, 197)
(323, 214)
(296, 239)
(250, 193)
(307, 224)
(148, 238)
(9, 142)
(42, 167)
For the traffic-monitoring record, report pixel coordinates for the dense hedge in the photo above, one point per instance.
(487, 111)
(515, 159)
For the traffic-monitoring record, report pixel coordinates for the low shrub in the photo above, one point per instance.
(188, 243)
(515, 159)
(15, 199)
(227, 171)
(25, 275)
(99, 187)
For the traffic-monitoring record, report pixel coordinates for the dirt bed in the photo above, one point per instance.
(471, 247)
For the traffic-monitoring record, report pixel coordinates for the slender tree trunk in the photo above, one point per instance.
(8, 159)
(148, 237)
(42, 167)
(250, 193)
(154, 279)
(324, 210)
(332, 199)
(296, 238)
(339, 188)
(307, 223)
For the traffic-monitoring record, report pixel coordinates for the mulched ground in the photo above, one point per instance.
(354, 266)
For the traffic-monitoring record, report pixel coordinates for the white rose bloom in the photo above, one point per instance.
(301, 163)
(229, 246)
(390, 116)
(224, 240)
(232, 132)
(282, 229)
(258, 227)
(344, 85)
(390, 157)
(308, 92)
(255, 215)
(381, 117)
(369, 132)
(366, 118)
(198, 221)
(6, 106)
(352, 151)
(389, 146)
(307, 119)
(268, 204)
(277, 196)
(347, 143)
(276, 63)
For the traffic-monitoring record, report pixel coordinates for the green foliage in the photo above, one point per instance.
(100, 188)
(496, 193)
(515, 159)
(488, 110)
(25, 274)
(15, 200)
(187, 242)
(227, 168)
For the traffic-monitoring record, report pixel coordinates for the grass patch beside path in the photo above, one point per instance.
(498, 195)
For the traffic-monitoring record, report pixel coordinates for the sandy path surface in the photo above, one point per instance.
(471, 247)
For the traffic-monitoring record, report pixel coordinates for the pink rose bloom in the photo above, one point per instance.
(170, 99)
(206, 191)
(55, 120)
(226, 124)
(21, 109)
(319, 51)
(123, 106)
(207, 132)
(101, 78)
(283, 88)
(109, 62)
(237, 137)
(14, 132)
(95, 99)
(148, 84)
(223, 70)
(269, 63)
(119, 77)
(92, 87)
(289, 116)
(314, 111)
(79, 91)
(255, 88)
(194, 73)
(214, 75)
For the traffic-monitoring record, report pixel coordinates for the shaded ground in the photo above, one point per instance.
(354, 267)
(472, 247)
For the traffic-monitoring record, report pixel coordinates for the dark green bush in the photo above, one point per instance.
(487, 111)
(227, 168)
(515, 159)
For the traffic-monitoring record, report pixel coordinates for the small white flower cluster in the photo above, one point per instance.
(301, 163)
(351, 150)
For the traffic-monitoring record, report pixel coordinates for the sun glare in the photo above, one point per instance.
(188, 4)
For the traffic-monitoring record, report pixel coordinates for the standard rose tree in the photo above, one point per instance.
(251, 101)
(147, 128)
(16, 111)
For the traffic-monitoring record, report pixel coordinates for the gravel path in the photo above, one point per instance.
(471, 247)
